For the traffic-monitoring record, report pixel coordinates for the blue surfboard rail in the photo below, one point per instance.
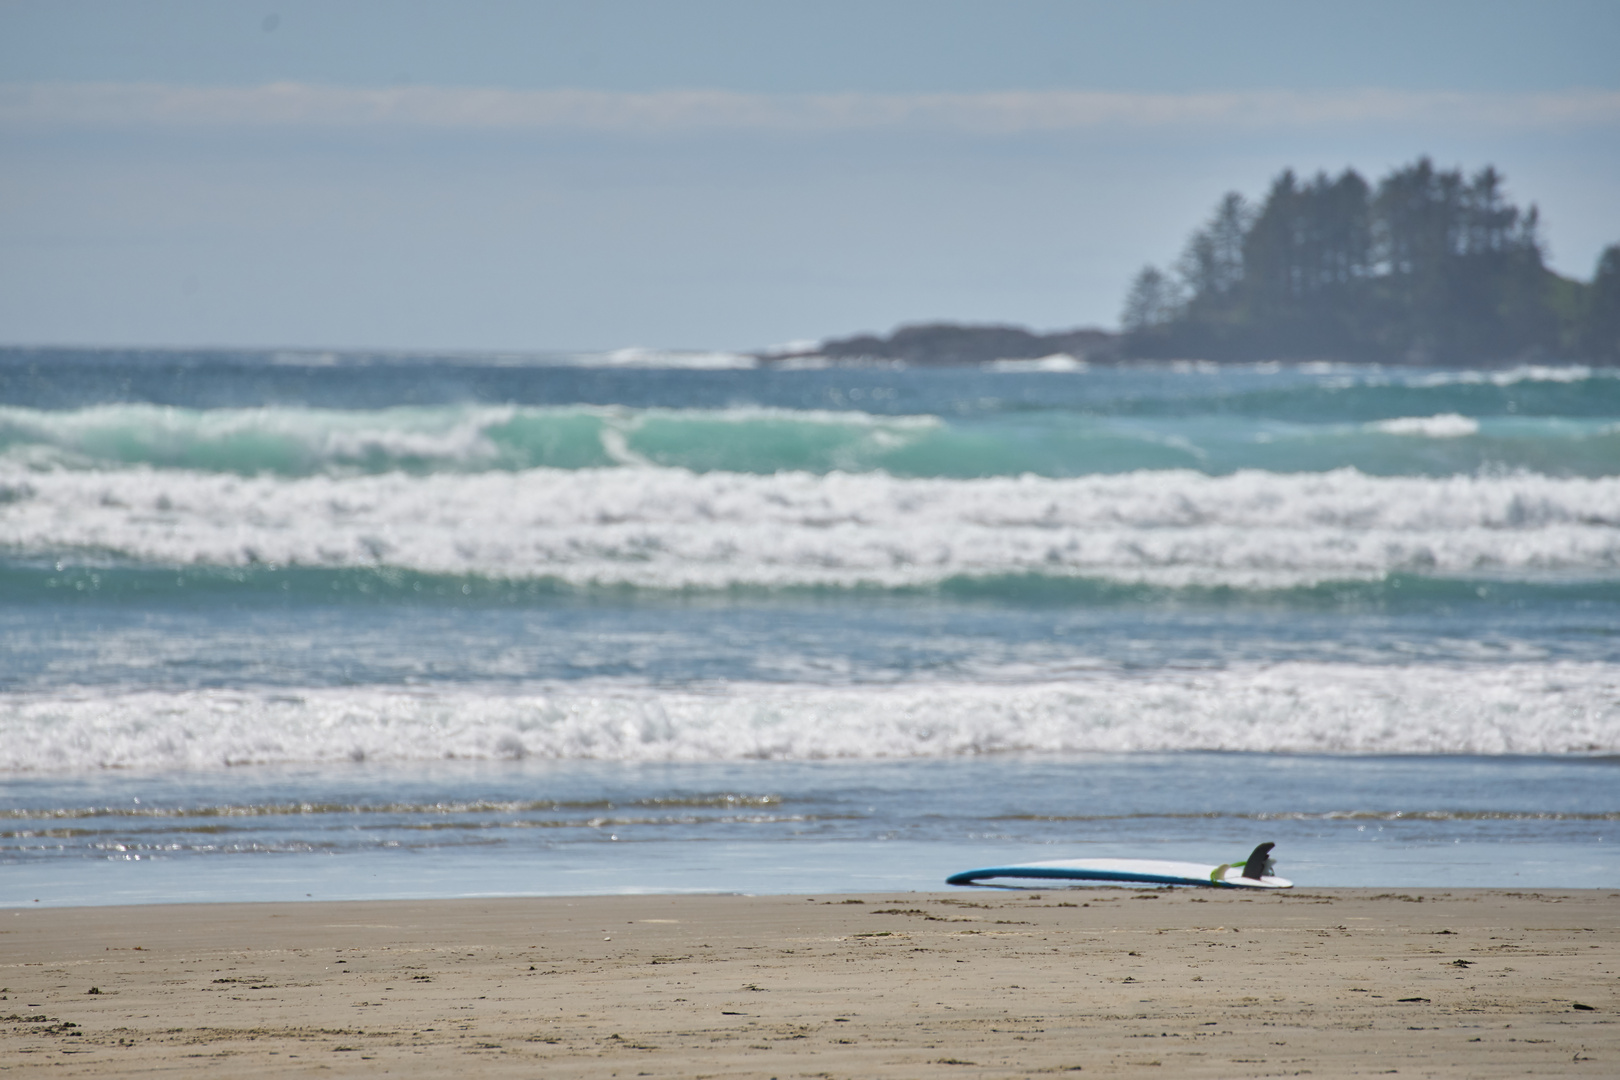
(1061, 873)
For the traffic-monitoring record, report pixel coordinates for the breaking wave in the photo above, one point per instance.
(676, 529)
(1287, 707)
(296, 441)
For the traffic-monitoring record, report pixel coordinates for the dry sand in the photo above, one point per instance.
(975, 983)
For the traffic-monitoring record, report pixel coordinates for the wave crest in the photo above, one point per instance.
(1282, 708)
(980, 441)
(675, 529)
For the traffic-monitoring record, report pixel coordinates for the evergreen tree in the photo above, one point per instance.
(1462, 267)
(1601, 330)
(1306, 261)
(1153, 303)
(1211, 275)
(1431, 267)
(1211, 267)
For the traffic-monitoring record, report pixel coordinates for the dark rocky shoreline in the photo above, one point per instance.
(957, 345)
(946, 345)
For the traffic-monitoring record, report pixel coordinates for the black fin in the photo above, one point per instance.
(1259, 862)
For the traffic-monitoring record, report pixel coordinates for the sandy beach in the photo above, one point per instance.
(972, 983)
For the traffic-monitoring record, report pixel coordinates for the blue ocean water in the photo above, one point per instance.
(277, 625)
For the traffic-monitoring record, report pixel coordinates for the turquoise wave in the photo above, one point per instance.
(24, 582)
(1360, 397)
(290, 441)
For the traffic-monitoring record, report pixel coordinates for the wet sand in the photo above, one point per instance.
(971, 983)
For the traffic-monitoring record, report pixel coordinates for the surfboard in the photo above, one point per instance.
(1141, 871)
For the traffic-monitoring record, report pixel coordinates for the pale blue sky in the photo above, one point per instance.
(387, 200)
(800, 46)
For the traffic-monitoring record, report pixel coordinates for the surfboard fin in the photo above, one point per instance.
(1260, 863)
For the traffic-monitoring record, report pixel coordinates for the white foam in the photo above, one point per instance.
(306, 437)
(1568, 373)
(1055, 362)
(1439, 426)
(301, 439)
(670, 528)
(637, 357)
(1289, 707)
(796, 347)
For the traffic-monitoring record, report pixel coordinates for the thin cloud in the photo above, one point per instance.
(303, 105)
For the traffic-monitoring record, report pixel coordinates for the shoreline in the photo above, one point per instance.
(972, 982)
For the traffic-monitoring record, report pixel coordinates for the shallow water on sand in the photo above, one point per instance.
(461, 829)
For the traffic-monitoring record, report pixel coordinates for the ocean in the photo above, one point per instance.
(289, 625)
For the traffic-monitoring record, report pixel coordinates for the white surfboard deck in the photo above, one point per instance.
(1141, 871)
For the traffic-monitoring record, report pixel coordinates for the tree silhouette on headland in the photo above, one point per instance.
(1428, 267)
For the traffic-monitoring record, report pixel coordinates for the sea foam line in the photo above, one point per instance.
(1291, 707)
(671, 528)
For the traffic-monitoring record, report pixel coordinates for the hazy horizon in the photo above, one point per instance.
(714, 175)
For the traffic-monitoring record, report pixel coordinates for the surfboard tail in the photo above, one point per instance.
(1260, 863)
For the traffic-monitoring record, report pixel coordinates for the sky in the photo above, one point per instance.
(724, 175)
